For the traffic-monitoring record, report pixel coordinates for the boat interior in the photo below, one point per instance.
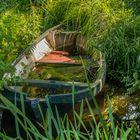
(55, 58)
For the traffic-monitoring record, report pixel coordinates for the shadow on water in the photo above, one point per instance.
(8, 126)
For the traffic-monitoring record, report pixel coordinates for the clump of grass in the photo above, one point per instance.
(111, 26)
(134, 5)
(65, 129)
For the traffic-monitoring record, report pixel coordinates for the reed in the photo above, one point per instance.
(111, 26)
(65, 128)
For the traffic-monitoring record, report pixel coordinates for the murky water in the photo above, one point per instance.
(62, 72)
(37, 92)
(125, 109)
(131, 113)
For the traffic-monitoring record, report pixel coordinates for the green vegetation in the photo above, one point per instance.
(66, 72)
(112, 26)
(65, 128)
(109, 25)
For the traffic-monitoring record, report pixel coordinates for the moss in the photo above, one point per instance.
(61, 73)
(65, 73)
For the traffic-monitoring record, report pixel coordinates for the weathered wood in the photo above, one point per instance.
(54, 39)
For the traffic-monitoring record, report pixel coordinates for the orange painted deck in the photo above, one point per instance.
(56, 57)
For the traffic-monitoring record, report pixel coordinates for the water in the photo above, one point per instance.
(126, 108)
(62, 72)
(36, 92)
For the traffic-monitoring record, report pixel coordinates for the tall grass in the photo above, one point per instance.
(112, 26)
(64, 127)
(109, 25)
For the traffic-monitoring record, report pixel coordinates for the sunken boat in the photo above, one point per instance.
(57, 69)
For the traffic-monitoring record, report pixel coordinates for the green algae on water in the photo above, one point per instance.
(65, 72)
(61, 72)
(37, 92)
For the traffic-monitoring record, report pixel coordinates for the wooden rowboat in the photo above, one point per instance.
(55, 47)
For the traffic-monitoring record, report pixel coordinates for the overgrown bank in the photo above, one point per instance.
(110, 25)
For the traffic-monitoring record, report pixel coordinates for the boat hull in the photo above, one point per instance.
(64, 102)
